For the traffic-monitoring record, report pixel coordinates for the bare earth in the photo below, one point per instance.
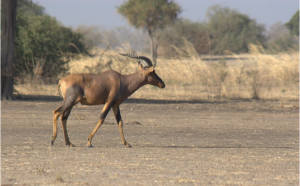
(173, 143)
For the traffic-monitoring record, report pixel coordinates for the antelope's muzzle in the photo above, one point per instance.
(161, 85)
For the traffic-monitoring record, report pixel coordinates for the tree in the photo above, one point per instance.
(8, 27)
(293, 24)
(91, 35)
(42, 44)
(30, 7)
(231, 30)
(174, 37)
(279, 39)
(150, 16)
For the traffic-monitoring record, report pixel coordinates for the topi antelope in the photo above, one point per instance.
(109, 88)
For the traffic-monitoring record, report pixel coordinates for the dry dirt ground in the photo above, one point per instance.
(246, 142)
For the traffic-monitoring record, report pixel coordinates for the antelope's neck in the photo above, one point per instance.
(133, 82)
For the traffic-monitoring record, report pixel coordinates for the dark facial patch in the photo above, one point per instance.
(154, 79)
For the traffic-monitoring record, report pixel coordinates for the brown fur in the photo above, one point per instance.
(109, 88)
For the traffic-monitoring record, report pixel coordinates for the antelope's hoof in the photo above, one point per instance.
(70, 144)
(52, 140)
(127, 145)
(90, 146)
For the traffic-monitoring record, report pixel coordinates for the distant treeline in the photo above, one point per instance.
(225, 30)
(43, 46)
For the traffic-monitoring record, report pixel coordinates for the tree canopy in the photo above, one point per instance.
(231, 30)
(225, 29)
(150, 16)
(293, 24)
(42, 44)
(184, 29)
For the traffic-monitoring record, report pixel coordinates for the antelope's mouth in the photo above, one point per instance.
(161, 85)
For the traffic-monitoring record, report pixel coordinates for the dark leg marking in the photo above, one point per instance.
(103, 115)
(120, 125)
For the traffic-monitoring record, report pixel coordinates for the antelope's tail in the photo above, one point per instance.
(58, 89)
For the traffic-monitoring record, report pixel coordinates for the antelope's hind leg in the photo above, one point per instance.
(56, 113)
(64, 118)
(65, 114)
(73, 95)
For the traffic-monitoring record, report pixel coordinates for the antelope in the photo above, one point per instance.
(109, 88)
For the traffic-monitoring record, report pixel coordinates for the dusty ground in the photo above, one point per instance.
(173, 143)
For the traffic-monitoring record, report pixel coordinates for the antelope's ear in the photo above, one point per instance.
(149, 70)
(141, 66)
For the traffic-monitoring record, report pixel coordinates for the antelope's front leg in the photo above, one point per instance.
(103, 114)
(117, 113)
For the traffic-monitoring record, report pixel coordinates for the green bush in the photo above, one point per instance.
(293, 24)
(233, 31)
(175, 36)
(43, 46)
(225, 29)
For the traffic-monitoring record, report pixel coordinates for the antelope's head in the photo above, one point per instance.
(147, 69)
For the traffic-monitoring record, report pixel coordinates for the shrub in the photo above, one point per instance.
(43, 46)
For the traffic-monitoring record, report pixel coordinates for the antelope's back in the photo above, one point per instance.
(96, 88)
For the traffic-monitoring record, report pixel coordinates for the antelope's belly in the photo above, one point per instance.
(87, 101)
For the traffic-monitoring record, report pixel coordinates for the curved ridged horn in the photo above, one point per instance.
(147, 60)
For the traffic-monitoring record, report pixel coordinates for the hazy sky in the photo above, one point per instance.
(103, 12)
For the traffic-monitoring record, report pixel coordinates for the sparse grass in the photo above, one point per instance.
(59, 178)
(40, 169)
(192, 77)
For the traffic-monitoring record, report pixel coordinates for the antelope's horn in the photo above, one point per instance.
(147, 60)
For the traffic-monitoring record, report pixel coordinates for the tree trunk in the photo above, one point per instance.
(152, 48)
(155, 48)
(8, 28)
